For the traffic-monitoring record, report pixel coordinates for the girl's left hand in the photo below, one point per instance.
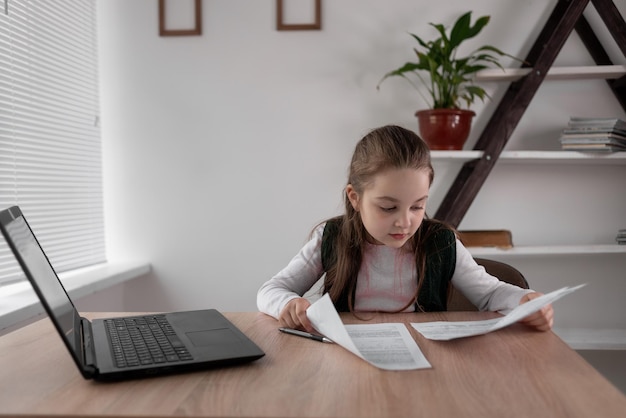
(541, 320)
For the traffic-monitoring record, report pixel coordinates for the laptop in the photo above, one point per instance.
(111, 348)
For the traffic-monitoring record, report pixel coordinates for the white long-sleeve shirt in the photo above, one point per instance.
(386, 280)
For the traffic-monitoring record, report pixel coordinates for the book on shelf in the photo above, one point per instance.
(604, 147)
(597, 137)
(593, 130)
(582, 123)
(621, 236)
(594, 134)
(499, 238)
(610, 145)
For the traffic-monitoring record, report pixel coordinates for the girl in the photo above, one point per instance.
(384, 254)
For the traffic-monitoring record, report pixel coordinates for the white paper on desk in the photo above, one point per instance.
(442, 330)
(387, 346)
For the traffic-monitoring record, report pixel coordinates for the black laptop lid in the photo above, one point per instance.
(43, 278)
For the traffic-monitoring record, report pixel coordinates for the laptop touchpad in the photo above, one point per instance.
(212, 337)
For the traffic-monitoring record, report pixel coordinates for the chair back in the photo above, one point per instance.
(503, 271)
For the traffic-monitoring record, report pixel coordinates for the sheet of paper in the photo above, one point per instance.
(442, 330)
(387, 346)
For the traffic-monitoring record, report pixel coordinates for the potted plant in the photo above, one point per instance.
(450, 81)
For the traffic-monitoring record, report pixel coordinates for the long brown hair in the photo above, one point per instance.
(381, 149)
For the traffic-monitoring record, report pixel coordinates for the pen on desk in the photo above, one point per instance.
(305, 335)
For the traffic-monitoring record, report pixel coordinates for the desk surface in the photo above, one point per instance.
(511, 372)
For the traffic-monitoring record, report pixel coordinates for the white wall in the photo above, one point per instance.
(222, 151)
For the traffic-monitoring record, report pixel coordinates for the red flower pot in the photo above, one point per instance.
(444, 129)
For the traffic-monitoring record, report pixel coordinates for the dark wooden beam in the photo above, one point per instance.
(600, 57)
(592, 43)
(613, 20)
(616, 25)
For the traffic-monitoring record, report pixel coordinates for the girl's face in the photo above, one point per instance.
(392, 206)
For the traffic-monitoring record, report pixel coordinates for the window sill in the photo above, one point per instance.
(18, 302)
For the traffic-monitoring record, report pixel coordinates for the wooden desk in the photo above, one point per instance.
(511, 372)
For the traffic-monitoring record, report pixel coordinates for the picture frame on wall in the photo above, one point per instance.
(281, 6)
(195, 10)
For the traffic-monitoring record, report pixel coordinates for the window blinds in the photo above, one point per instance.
(50, 151)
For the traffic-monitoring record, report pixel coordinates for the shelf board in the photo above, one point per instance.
(595, 72)
(593, 339)
(540, 157)
(455, 156)
(549, 250)
(566, 157)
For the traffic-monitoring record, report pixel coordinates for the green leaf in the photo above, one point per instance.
(419, 40)
(460, 30)
(481, 22)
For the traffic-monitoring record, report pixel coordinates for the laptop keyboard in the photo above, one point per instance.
(146, 340)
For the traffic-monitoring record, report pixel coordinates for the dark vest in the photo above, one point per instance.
(440, 263)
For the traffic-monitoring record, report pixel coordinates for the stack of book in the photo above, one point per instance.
(594, 134)
(621, 236)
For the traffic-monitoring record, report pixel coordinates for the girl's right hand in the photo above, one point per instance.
(294, 316)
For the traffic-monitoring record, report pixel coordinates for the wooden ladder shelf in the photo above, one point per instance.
(566, 16)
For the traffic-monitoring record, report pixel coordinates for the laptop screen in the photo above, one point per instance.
(38, 270)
